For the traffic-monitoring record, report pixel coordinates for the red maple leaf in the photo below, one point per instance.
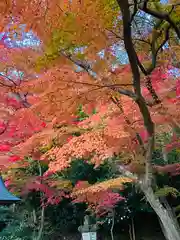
(14, 158)
(4, 148)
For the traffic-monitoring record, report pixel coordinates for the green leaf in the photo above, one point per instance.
(165, 191)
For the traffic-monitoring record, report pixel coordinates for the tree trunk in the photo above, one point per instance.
(132, 234)
(169, 225)
(40, 232)
(112, 225)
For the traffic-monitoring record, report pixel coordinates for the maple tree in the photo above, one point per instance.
(134, 102)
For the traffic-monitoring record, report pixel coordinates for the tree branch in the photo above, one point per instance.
(160, 15)
(134, 10)
(88, 69)
(123, 4)
(84, 65)
(116, 101)
(148, 123)
(155, 52)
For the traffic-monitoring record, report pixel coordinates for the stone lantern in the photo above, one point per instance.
(88, 231)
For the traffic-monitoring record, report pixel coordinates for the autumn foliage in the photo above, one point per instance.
(125, 105)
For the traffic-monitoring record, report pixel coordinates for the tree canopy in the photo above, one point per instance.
(101, 82)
